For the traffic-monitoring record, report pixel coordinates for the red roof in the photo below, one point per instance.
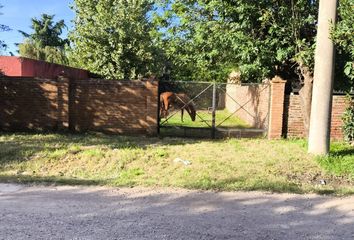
(25, 67)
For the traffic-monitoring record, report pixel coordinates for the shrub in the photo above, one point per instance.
(348, 122)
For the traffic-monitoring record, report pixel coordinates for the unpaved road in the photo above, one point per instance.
(39, 212)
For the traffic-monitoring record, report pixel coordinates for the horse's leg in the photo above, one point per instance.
(182, 110)
(166, 106)
(162, 110)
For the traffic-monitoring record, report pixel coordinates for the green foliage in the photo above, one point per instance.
(206, 39)
(343, 36)
(45, 42)
(348, 121)
(33, 50)
(340, 161)
(114, 38)
(46, 32)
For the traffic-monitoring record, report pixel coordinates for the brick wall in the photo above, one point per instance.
(254, 100)
(293, 125)
(131, 107)
(124, 107)
(26, 103)
(128, 107)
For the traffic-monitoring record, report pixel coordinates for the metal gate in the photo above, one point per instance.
(213, 110)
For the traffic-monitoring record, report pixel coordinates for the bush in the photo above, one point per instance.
(348, 122)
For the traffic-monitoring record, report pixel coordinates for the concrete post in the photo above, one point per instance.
(320, 120)
(276, 109)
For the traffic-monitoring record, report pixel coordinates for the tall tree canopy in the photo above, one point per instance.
(45, 42)
(260, 38)
(199, 39)
(113, 38)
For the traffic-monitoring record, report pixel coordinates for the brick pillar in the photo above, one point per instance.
(152, 107)
(63, 102)
(276, 108)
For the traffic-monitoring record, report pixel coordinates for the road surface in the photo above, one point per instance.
(62, 212)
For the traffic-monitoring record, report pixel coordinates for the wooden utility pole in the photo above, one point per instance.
(321, 107)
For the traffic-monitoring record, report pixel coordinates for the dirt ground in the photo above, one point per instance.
(62, 212)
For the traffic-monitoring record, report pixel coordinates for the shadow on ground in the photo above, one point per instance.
(100, 213)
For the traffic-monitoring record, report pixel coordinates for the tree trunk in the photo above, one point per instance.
(305, 94)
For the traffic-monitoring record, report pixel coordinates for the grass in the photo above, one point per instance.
(233, 164)
(204, 120)
(340, 162)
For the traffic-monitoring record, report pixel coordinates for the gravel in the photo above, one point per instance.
(66, 212)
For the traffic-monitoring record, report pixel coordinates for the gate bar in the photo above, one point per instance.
(213, 129)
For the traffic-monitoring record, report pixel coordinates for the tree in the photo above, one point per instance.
(344, 38)
(196, 41)
(3, 28)
(31, 49)
(257, 36)
(45, 42)
(206, 39)
(114, 38)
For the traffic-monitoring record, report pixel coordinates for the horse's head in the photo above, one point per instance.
(193, 112)
(164, 113)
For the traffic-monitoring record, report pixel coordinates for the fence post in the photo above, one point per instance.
(63, 102)
(213, 130)
(276, 108)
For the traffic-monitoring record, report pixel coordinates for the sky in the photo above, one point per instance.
(17, 15)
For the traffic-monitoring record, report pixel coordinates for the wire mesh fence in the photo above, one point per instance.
(204, 109)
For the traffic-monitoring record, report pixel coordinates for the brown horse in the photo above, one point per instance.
(177, 100)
